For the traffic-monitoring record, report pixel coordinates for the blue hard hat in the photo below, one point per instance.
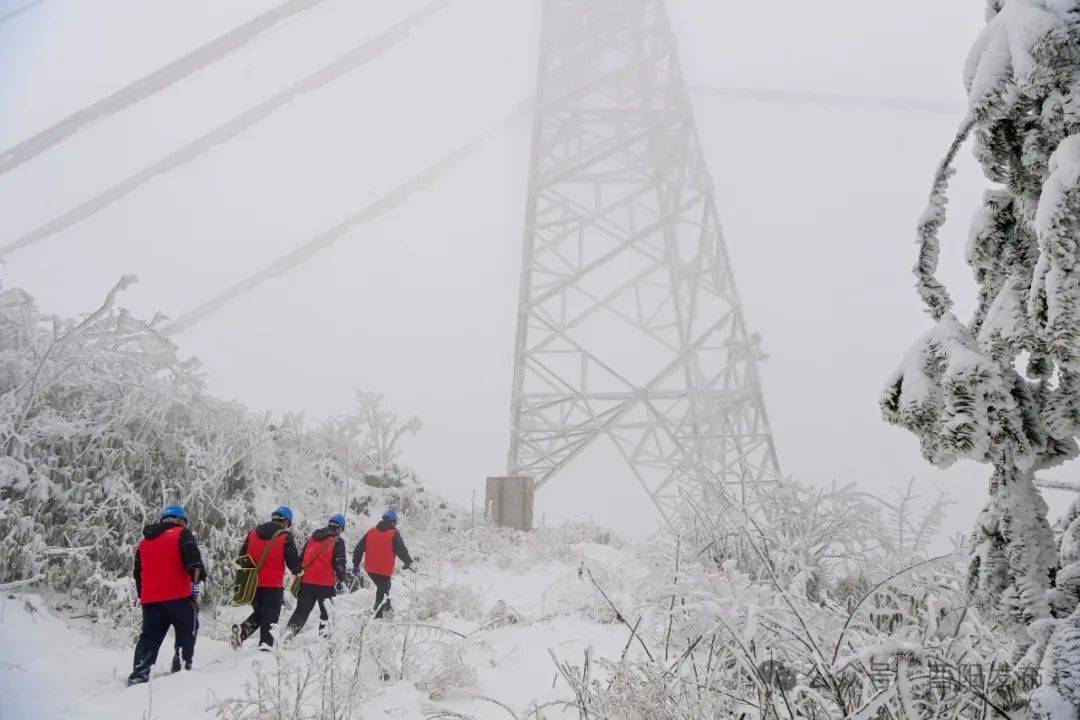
(338, 519)
(283, 511)
(174, 510)
(390, 514)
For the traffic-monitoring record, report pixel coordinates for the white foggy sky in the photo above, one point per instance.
(819, 206)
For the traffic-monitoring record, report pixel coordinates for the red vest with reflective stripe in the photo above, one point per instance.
(272, 573)
(320, 570)
(164, 576)
(379, 551)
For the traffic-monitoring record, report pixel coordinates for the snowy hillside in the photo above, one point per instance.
(454, 647)
(772, 600)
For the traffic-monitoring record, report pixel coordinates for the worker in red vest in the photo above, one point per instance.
(379, 548)
(169, 574)
(270, 591)
(323, 572)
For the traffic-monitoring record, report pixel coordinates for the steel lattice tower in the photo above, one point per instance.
(630, 326)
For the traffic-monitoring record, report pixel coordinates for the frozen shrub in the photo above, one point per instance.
(579, 593)
(502, 615)
(323, 682)
(443, 672)
(425, 655)
(582, 532)
(101, 424)
(456, 598)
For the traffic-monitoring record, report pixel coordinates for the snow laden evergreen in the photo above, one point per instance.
(1004, 387)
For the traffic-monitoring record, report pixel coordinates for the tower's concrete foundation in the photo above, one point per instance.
(509, 501)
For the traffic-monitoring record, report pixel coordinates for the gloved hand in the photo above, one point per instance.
(196, 588)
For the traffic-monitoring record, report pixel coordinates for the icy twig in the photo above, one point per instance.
(618, 615)
(934, 294)
(19, 583)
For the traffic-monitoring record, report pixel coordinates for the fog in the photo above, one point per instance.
(822, 124)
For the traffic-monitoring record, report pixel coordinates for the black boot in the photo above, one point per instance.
(137, 679)
(236, 638)
(176, 660)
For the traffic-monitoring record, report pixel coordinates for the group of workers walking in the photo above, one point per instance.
(169, 575)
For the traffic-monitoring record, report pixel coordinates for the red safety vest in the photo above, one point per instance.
(379, 551)
(164, 576)
(272, 572)
(319, 570)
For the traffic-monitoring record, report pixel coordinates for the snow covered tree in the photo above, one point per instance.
(347, 463)
(382, 429)
(1004, 388)
(101, 424)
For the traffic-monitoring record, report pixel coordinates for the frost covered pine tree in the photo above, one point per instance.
(1004, 388)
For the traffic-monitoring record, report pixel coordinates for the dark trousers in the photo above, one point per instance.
(194, 631)
(157, 619)
(382, 594)
(265, 613)
(305, 603)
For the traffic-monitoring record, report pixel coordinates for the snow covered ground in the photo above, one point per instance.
(57, 667)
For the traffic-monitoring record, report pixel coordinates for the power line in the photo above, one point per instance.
(797, 97)
(19, 11)
(327, 238)
(150, 84)
(365, 52)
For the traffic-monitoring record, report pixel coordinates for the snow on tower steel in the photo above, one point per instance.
(630, 327)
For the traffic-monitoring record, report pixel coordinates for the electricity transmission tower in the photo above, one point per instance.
(629, 324)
